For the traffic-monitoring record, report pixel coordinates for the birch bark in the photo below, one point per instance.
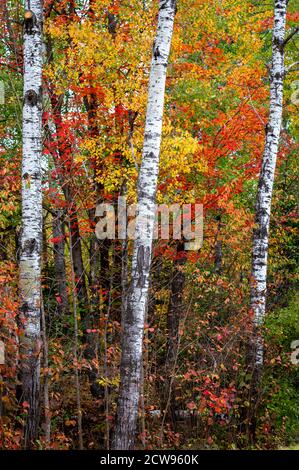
(131, 361)
(31, 238)
(266, 180)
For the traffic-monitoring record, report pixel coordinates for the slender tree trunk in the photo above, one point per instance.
(76, 347)
(175, 311)
(31, 238)
(218, 248)
(175, 304)
(59, 261)
(131, 361)
(92, 335)
(47, 410)
(266, 180)
(124, 265)
(98, 256)
(91, 106)
(77, 257)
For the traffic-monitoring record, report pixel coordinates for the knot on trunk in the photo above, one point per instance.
(269, 129)
(31, 98)
(24, 307)
(156, 53)
(30, 245)
(29, 21)
(279, 43)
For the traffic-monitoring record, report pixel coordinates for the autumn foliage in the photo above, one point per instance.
(97, 60)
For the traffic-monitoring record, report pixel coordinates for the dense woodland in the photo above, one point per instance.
(144, 343)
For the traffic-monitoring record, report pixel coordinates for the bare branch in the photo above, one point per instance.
(295, 31)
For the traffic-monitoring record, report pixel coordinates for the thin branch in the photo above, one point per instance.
(254, 109)
(295, 31)
(288, 69)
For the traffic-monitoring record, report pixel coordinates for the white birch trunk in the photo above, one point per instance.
(266, 180)
(131, 361)
(31, 238)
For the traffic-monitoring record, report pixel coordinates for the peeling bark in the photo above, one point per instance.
(131, 361)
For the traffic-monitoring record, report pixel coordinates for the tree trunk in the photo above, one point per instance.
(76, 344)
(218, 248)
(47, 410)
(131, 361)
(31, 238)
(264, 194)
(92, 335)
(174, 316)
(76, 247)
(59, 262)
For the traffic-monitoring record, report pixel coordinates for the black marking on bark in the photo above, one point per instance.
(173, 4)
(31, 98)
(30, 245)
(279, 44)
(151, 155)
(156, 53)
(129, 314)
(24, 307)
(26, 176)
(29, 22)
(268, 129)
(143, 264)
(263, 232)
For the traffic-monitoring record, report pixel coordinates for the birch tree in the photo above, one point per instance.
(31, 236)
(265, 186)
(133, 326)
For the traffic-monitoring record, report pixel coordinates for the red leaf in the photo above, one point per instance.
(191, 405)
